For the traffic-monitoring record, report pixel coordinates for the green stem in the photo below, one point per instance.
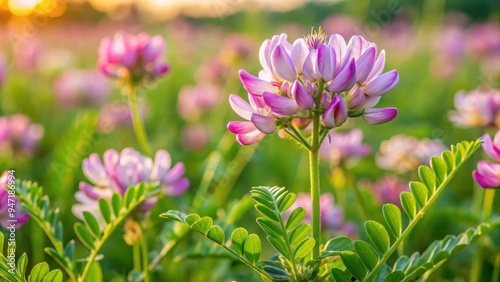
(299, 136)
(496, 269)
(489, 197)
(145, 257)
(137, 122)
(136, 253)
(361, 201)
(315, 188)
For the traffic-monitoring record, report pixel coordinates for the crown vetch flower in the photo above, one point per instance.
(479, 107)
(132, 57)
(18, 135)
(487, 174)
(492, 147)
(309, 76)
(8, 202)
(387, 189)
(339, 148)
(120, 170)
(76, 88)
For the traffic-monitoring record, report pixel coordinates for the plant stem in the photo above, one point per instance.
(136, 253)
(315, 188)
(140, 133)
(496, 269)
(489, 197)
(145, 257)
(359, 196)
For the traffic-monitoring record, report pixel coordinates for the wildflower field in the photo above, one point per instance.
(249, 140)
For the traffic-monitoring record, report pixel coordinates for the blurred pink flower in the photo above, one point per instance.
(117, 114)
(484, 40)
(212, 71)
(195, 137)
(27, 55)
(7, 202)
(387, 189)
(339, 148)
(194, 101)
(235, 48)
(3, 70)
(18, 136)
(477, 108)
(404, 153)
(121, 170)
(132, 57)
(332, 216)
(77, 88)
(344, 25)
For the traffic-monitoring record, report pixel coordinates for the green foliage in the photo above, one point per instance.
(16, 272)
(365, 264)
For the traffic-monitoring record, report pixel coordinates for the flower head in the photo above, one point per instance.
(120, 170)
(196, 100)
(76, 88)
(132, 57)
(387, 189)
(317, 74)
(478, 108)
(339, 148)
(18, 135)
(6, 180)
(487, 174)
(404, 153)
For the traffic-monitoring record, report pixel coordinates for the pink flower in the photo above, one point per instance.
(117, 114)
(120, 170)
(339, 148)
(3, 70)
(478, 108)
(7, 203)
(132, 57)
(492, 147)
(404, 153)
(77, 88)
(388, 189)
(487, 174)
(19, 136)
(194, 101)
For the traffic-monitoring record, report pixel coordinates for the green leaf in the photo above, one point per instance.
(270, 227)
(300, 233)
(428, 178)
(105, 210)
(69, 251)
(38, 272)
(354, 264)
(280, 246)
(1, 242)
(203, 225)
(92, 224)
(449, 159)
(340, 276)
(252, 248)
(237, 238)
(116, 203)
(175, 215)
(378, 235)
(191, 219)
(95, 273)
(420, 192)
(129, 196)
(276, 272)
(295, 218)
(216, 234)
(84, 236)
(287, 202)
(396, 276)
(337, 245)
(54, 276)
(366, 253)
(304, 248)
(409, 204)
(439, 168)
(22, 262)
(267, 212)
(392, 216)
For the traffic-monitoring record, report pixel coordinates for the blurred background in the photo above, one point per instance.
(48, 56)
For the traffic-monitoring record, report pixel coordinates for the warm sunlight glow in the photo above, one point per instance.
(22, 7)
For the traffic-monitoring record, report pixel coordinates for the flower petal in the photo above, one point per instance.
(336, 113)
(283, 64)
(254, 85)
(161, 165)
(345, 79)
(240, 106)
(490, 148)
(280, 105)
(239, 127)
(365, 64)
(485, 181)
(378, 66)
(250, 137)
(326, 62)
(355, 99)
(264, 124)
(379, 115)
(299, 54)
(302, 98)
(310, 70)
(382, 84)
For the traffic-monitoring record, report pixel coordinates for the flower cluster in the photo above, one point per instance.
(121, 170)
(404, 153)
(18, 135)
(478, 108)
(487, 174)
(5, 214)
(132, 57)
(315, 74)
(387, 189)
(332, 216)
(339, 148)
(76, 88)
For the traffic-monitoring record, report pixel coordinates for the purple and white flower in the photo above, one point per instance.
(6, 179)
(338, 148)
(18, 136)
